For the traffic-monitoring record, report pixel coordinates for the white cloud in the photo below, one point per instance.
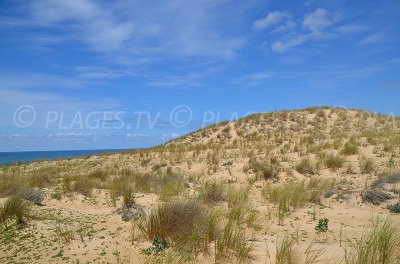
(371, 39)
(272, 18)
(282, 46)
(254, 78)
(134, 31)
(317, 20)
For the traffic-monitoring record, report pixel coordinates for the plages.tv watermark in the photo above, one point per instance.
(180, 116)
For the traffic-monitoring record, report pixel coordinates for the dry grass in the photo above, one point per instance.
(189, 227)
(375, 196)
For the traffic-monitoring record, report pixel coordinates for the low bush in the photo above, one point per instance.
(375, 196)
(32, 195)
(394, 208)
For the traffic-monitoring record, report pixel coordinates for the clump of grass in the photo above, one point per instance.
(366, 165)
(286, 252)
(289, 195)
(185, 224)
(305, 166)
(84, 186)
(128, 197)
(295, 194)
(212, 193)
(263, 169)
(232, 246)
(375, 196)
(64, 233)
(379, 245)
(15, 208)
(350, 148)
(332, 161)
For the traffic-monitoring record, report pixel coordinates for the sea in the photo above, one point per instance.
(27, 156)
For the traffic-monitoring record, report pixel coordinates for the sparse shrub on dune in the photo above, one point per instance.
(375, 196)
(30, 194)
(394, 208)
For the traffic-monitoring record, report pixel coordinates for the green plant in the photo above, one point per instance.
(286, 252)
(394, 208)
(322, 226)
(232, 246)
(128, 197)
(158, 246)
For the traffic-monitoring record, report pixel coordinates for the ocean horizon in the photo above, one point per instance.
(28, 156)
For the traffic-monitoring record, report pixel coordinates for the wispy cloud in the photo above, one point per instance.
(254, 79)
(271, 19)
(317, 25)
(135, 28)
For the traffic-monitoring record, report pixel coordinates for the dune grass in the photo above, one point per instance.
(185, 224)
(17, 209)
(380, 245)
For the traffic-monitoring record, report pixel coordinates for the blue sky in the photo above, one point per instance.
(123, 74)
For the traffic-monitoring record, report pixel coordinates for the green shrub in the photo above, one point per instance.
(394, 208)
(322, 226)
(158, 246)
